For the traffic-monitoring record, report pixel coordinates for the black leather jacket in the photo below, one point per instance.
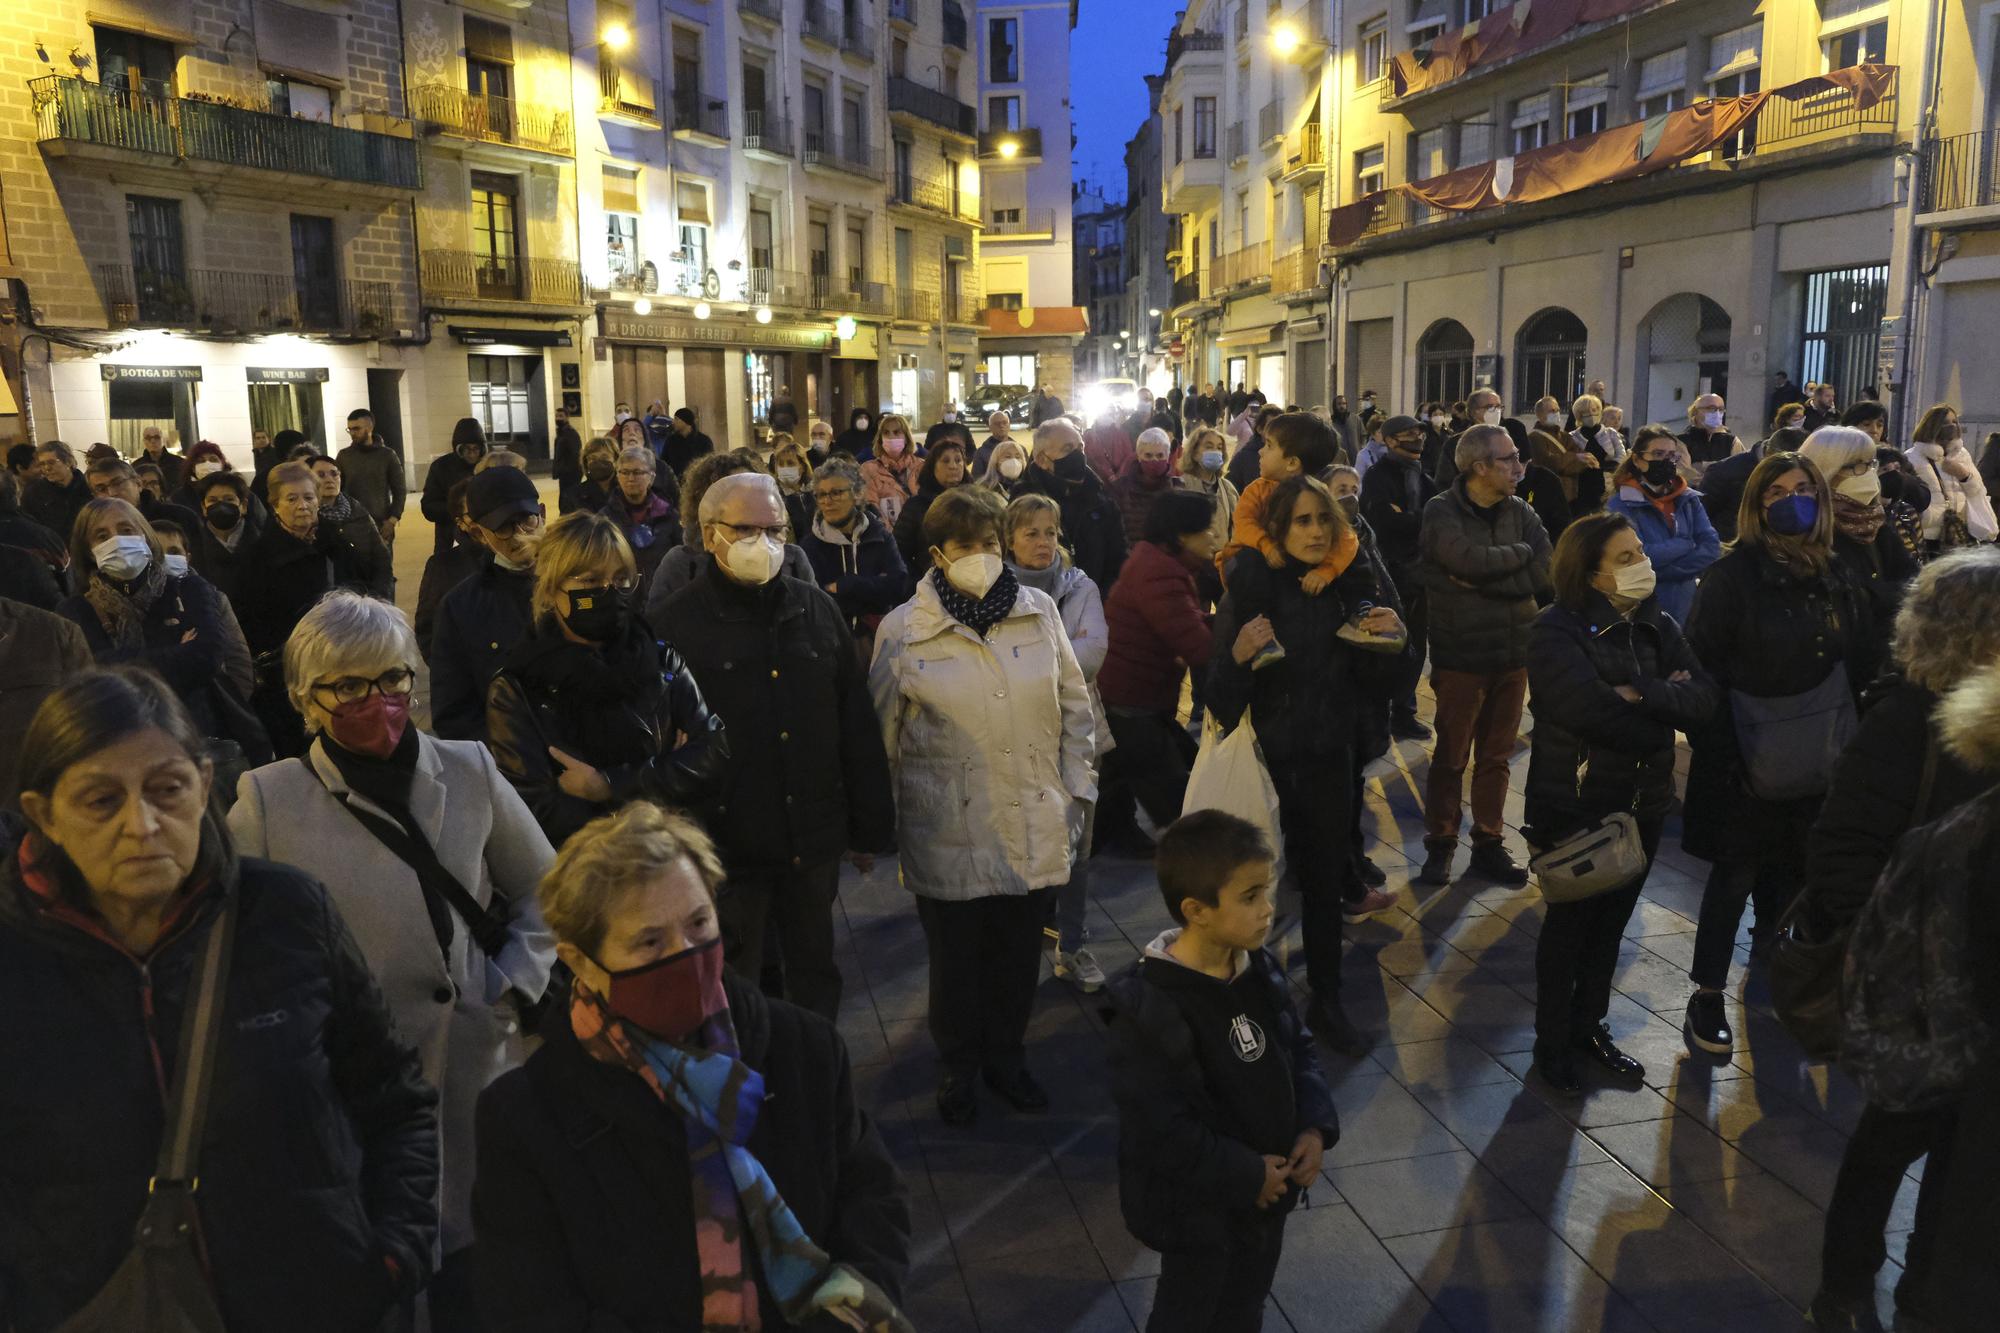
(620, 709)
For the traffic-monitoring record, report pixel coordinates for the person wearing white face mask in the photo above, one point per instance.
(988, 727)
(1706, 438)
(1613, 679)
(1005, 464)
(132, 609)
(1484, 407)
(805, 780)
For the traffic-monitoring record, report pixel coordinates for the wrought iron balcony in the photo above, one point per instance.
(1182, 43)
(1824, 119)
(857, 35)
(706, 117)
(855, 159)
(503, 120)
(1027, 144)
(152, 121)
(1031, 222)
(935, 194)
(939, 108)
(465, 275)
(1187, 289)
(1962, 171)
(822, 22)
(764, 133)
(771, 11)
(1270, 122)
(623, 94)
(783, 288)
(954, 25)
(920, 307)
(230, 301)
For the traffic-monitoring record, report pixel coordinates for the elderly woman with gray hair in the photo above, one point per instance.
(854, 558)
(432, 860)
(1863, 538)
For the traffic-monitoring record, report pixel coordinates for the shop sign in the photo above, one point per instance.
(623, 327)
(111, 372)
(285, 374)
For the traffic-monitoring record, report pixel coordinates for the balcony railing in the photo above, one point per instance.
(1303, 151)
(1962, 171)
(935, 194)
(921, 307)
(771, 11)
(1825, 117)
(787, 289)
(767, 133)
(1027, 143)
(1270, 121)
(1187, 288)
(857, 36)
(1295, 271)
(1180, 43)
(854, 159)
(706, 116)
(967, 307)
(1241, 268)
(464, 275)
(230, 301)
(623, 93)
(1032, 222)
(954, 25)
(1239, 142)
(822, 22)
(464, 115)
(73, 110)
(939, 108)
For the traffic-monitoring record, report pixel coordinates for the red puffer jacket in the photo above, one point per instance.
(1157, 628)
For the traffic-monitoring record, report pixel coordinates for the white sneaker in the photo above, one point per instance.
(1080, 970)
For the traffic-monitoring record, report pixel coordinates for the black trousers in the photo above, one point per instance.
(1577, 955)
(1149, 765)
(1315, 811)
(794, 909)
(985, 958)
(1218, 1291)
(1884, 1145)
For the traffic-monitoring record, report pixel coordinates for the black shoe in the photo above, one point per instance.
(1329, 1023)
(957, 1101)
(1019, 1090)
(1599, 1048)
(1850, 1314)
(1371, 875)
(1408, 729)
(1491, 860)
(1437, 864)
(1707, 1025)
(1558, 1069)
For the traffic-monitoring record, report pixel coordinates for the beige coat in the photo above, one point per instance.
(991, 744)
(452, 1013)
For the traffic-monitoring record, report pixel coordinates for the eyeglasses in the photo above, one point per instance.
(524, 523)
(1506, 460)
(634, 474)
(353, 689)
(743, 532)
(843, 493)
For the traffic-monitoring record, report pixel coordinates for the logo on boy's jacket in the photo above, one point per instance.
(1246, 1038)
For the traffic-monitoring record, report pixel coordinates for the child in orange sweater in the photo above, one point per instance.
(1293, 448)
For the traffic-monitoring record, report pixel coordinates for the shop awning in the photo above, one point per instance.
(1263, 333)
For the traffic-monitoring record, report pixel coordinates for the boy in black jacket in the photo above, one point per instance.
(1223, 1114)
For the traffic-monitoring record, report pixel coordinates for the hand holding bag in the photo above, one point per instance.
(161, 1286)
(1608, 855)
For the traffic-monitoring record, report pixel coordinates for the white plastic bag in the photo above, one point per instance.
(1229, 775)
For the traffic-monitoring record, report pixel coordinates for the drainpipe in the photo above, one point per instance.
(1925, 127)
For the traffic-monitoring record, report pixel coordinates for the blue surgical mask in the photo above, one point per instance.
(1794, 515)
(1212, 459)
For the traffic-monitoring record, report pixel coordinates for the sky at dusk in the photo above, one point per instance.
(1115, 45)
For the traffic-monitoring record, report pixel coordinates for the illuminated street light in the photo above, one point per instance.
(642, 307)
(763, 314)
(617, 36)
(1124, 333)
(844, 328)
(701, 310)
(1009, 148)
(1285, 39)
(1154, 313)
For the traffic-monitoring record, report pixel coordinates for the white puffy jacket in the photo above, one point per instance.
(1956, 487)
(990, 742)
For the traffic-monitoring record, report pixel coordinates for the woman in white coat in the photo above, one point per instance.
(433, 861)
(1960, 513)
(988, 726)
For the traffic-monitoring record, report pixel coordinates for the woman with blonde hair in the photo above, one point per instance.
(1864, 540)
(889, 477)
(591, 710)
(794, 473)
(1203, 458)
(1006, 464)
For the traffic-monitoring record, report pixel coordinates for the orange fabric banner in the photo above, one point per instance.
(1524, 26)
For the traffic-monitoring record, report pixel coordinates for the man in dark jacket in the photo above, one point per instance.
(1485, 562)
(1091, 522)
(484, 617)
(685, 442)
(1707, 439)
(1393, 495)
(1485, 407)
(566, 463)
(1722, 484)
(59, 492)
(21, 533)
(998, 427)
(468, 446)
(1820, 409)
(807, 777)
(373, 475)
(115, 479)
(153, 449)
(39, 650)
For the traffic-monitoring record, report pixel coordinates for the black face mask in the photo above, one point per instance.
(599, 614)
(1070, 467)
(1660, 472)
(225, 516)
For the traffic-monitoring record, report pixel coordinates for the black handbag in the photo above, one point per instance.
(1805, 973)
(161, 1285)
(1790, 743)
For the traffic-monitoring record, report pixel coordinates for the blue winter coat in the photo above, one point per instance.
(1679, 552)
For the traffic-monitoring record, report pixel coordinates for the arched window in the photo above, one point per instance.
(1684, 353)
(1548, 359)
(1444, 363)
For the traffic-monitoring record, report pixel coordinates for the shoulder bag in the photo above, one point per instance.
(1790, 742)
(162, 1286)
(1608, 855)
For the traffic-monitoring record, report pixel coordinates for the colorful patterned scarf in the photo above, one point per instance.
(718, 1097)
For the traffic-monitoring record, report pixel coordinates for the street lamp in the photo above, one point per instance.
(616, 36)
(1285, 39)
(763, 314)
(844, 328)
(642, 307)
(1009, 148)
(701, 310)
(1154, 313)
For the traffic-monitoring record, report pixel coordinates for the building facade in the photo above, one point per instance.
(1148, 285)
(1099, 282)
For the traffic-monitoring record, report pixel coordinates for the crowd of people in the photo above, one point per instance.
(477, 1047)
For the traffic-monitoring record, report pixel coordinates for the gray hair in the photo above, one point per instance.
(1048, 431)
(1155, 435)
(1494, 394)
(57, 450)
(1476, 446)
(1836, 447)
(840, 469)
(719, 494)
(350, 634)
(1949, 624)
(639, 453)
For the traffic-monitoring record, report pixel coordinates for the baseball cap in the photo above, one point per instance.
(499, 494)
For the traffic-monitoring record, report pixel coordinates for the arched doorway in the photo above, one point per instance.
(1548, 358)
(1684, 353)
(1444, 363)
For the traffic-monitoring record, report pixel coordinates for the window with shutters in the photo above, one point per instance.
(1853, 32)
(815, 116)
(691, 205)
(1588, 102)
(1374, 49)
(489, 59)
(621, 223)
(1734, 70)
(315, 272)
(857, 253)
(1662, 83)
(1475, 143)
(128, 60)
(688, 96)
(1371, 170)
(1427, 159)
(1531, 123)
(496, 237)
(854, 126)
(1003, 113)
(299, 99)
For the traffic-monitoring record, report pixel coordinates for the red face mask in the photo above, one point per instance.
(673, 997)
(1155, 467)
(372, 726)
